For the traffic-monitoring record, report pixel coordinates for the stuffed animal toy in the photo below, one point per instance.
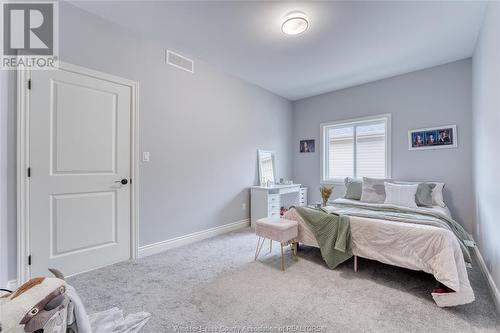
(28, 308)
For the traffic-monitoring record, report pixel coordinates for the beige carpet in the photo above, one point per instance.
(215, 285)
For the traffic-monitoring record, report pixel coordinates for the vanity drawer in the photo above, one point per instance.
(274, 215)
(288, 190)
(303, 196)
(273, 207)
(273, 199)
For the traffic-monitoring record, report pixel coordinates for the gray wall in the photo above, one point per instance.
(486, 119)
(202, 130)
(426, 98)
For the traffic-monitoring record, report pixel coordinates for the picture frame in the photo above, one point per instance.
(307, 146)
(433, 138)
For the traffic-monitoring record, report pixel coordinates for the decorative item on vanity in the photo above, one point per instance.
(282, 211)
(306, 146)
(326, 192)
(433, 138)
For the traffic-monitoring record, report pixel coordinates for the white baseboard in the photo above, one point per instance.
(495, 293)
(158, 247)
(11, 285)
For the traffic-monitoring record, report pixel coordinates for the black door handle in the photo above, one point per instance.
(124, 181)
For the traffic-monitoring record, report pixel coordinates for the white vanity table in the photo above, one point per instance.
(267, 201)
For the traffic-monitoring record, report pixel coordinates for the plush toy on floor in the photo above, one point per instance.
(38, 305)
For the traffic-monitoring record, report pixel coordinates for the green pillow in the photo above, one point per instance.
(423, 197)
(353, 188)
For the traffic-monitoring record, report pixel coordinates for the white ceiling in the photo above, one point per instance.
(347, 43)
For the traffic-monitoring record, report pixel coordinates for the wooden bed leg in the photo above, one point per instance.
(355, 263)
(282, 259)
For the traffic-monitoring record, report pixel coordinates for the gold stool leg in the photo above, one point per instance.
(257, 250)
(282, 259)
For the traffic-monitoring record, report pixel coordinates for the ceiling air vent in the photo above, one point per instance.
(179, 61)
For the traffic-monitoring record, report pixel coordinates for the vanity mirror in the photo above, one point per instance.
(267, 167)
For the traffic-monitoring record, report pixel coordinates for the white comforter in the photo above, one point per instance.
(419, 247)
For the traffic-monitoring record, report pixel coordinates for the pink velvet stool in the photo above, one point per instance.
(276, 229)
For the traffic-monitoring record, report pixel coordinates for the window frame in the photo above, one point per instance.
(347, 123)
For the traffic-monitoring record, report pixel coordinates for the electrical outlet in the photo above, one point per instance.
(145, 156)
(243, 206)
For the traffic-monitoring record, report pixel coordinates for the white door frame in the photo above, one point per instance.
(23, 162)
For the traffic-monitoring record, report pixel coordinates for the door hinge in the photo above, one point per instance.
(29, 260)
(29, 172)
(29, 84)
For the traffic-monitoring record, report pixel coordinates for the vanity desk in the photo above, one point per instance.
(266, 201)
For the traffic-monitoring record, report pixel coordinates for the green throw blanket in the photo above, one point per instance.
(333, 233)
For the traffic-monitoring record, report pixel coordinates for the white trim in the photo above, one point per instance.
(455, 138)
(23, 106)
(168, 244)
(388, 146)
(495, 293)
(22, 179)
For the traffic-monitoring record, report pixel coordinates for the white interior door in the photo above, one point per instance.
(80, 151)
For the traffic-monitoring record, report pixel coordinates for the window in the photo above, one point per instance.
(356, 148)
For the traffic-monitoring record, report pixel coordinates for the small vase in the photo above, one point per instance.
(324, 202)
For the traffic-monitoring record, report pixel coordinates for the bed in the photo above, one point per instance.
(428, 248)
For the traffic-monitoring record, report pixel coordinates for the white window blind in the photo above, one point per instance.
(341, 152)
(356, 148)
(370, 150)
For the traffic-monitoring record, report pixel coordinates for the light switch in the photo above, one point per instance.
(145, 156)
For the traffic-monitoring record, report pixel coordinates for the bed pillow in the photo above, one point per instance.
(437, 192)
(437, 195)
(423, 197)
(400, 194)
(353, 188)
(373, 190)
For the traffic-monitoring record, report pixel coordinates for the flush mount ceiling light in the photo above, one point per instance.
(295, 23)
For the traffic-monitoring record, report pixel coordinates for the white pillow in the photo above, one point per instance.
(437, 195)
(437, 192)
(400, 195)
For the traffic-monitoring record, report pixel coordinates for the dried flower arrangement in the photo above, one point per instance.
(326, 192)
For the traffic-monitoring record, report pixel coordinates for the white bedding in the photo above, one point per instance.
(438, 209)
(419, 247)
